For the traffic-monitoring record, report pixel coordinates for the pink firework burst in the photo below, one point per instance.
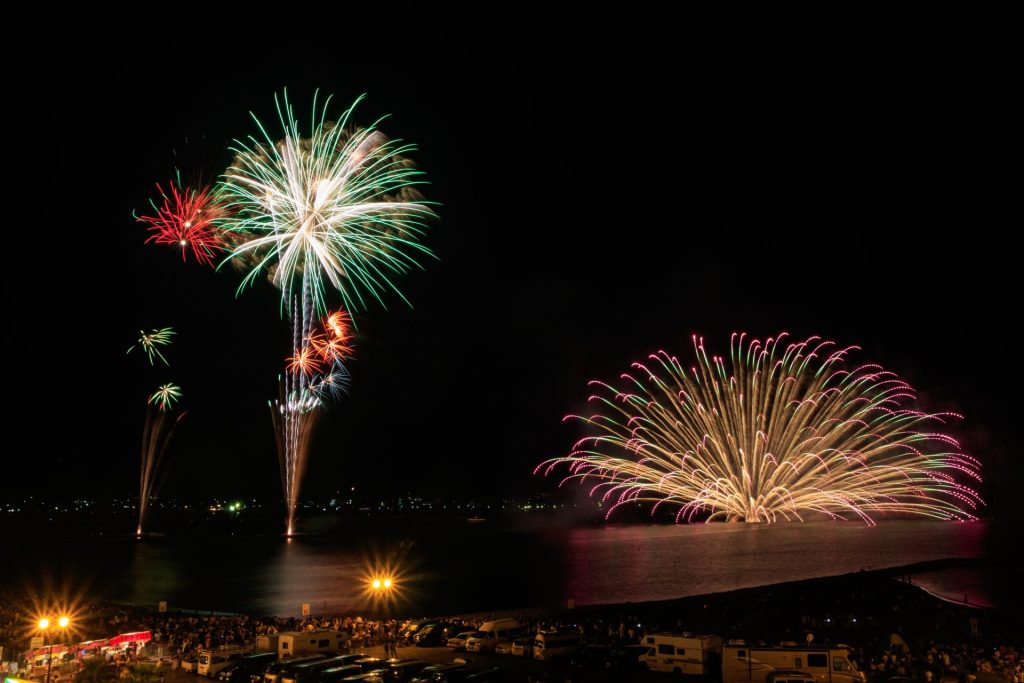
(187, 219)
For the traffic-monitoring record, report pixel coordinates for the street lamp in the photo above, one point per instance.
(44, 626)
(382, 586)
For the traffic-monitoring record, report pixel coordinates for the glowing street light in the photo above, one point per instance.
(381, 584)
(44, 626)
(381, 589)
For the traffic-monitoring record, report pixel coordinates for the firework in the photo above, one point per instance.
(341, 204)
(294, 413)
(159, 426)
(772, 433)
(164, 397)
(338, 208)
(331, 345)
(150, 341)
(156, 436)
(187, 218)
(315, 372)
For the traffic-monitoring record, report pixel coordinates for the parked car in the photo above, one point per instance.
(459, 640)
(369, 677)
(338, 673)
(409, 632)
(503, 647)
(368, 664)
(491, 633)
(404, 669)
(274, 671)
(550, 645)
(627, 657)
(591, 657)
(523, 647)
(243, 670)
(442, 673)
(436, 634)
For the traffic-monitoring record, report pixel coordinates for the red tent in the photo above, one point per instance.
(136, 637)
(91, 645)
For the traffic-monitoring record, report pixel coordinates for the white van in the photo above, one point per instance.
(490, 632)
(212, 661)
(753, 664)
(682, 653)
(548, 645)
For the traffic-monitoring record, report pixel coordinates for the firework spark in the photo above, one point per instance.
(164, 397)
(341, 204)
(187, 219)
(772, 433)
(306, 361)
(150, 341)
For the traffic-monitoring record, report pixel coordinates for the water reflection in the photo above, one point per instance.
(470, 568)
(627, 564)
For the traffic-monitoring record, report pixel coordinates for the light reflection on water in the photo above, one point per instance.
(634, 564)
(457, 567)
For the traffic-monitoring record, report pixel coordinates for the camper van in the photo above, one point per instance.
(753, 664)
(682, 653)
(490, 632)
(297, 643)
(212, 661)
(548, 645)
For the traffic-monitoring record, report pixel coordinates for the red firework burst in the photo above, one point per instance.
(187, 219)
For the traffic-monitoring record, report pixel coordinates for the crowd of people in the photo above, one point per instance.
(896, 632)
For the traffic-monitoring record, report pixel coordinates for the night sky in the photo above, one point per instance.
(607, 188)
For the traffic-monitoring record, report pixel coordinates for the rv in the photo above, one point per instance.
(682, 653)
(753, 664)
(296, 643)
(268, 643)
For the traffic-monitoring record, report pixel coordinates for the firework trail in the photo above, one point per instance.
(315, 373)
(159, 426)
(337, 208)
(187, 218)
(774, 432)
(156, 436)
(150, 341)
